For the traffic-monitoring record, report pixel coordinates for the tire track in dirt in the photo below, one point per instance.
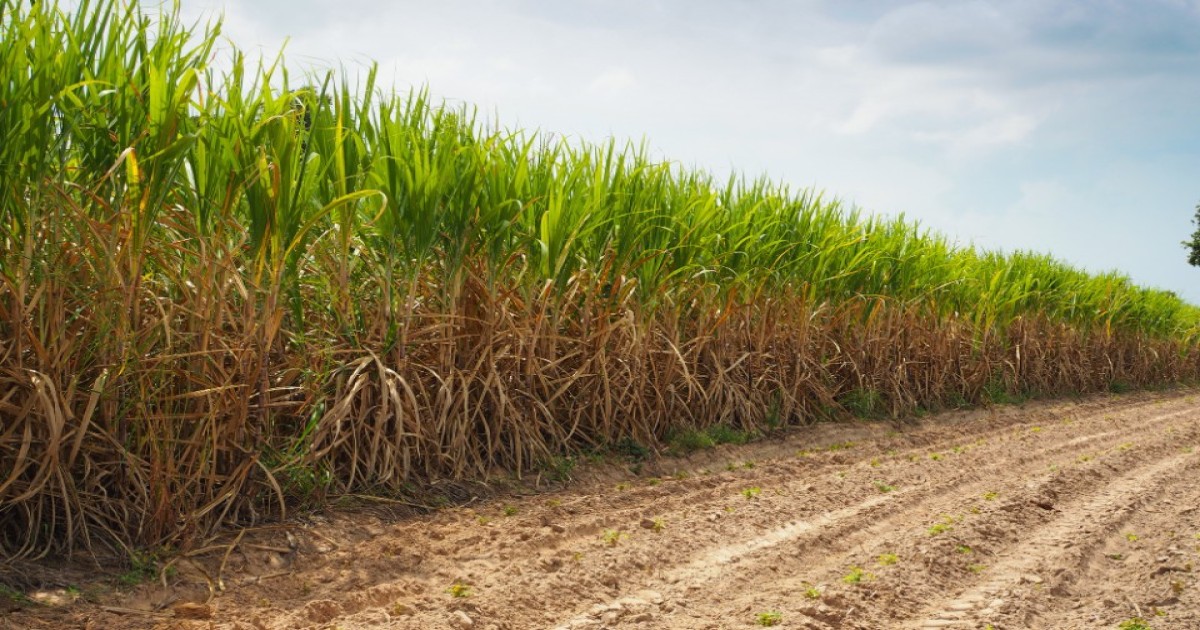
(633, 502)
(1144, 570)
(1059, 544)
(841, 531)
(909, 589)
(945, 570)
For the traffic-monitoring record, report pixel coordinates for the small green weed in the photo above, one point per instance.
(883, 487)
(940, 528)
(864, 403)
(612, 537)
(1136, 623)
(769, 618)
(631, 450)
(13, 595)
(559, 468)
(752, 492)
(856, 576)
(1119, 387)
(142, 568)
(459, 590)
(995, 392)
(888, 559)
(725, 434)
(686, 441)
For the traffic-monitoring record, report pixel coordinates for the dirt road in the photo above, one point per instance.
(1051, 515)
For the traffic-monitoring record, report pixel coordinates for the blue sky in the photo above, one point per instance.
(1071, 128)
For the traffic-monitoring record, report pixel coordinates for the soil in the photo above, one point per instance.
(1082, 514)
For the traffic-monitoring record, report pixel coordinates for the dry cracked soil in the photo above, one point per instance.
(1081, 514)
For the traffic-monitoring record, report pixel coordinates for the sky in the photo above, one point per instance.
(1065, 127)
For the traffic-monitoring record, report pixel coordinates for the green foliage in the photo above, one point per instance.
(997, 392)
(939, 528)
(686, 441)
(1192, 245)
(559, 468)
(1136, 623)
(864, 403)
(1120, 387)
(143, 567)
(412, 185)
(13, 596)
(631, 449)
(856, 576)
(725, 434)
(769, 618)
(612, 537)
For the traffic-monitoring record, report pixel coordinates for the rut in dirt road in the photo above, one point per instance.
(826, 552)
(1010, 517)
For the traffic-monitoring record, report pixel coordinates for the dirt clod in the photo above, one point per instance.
(460, 619)
(193, 611)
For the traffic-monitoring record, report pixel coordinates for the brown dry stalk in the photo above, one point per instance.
(159, 428)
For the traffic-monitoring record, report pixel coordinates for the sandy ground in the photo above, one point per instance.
(1082, 514)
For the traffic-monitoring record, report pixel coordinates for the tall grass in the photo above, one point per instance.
(222, 292)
